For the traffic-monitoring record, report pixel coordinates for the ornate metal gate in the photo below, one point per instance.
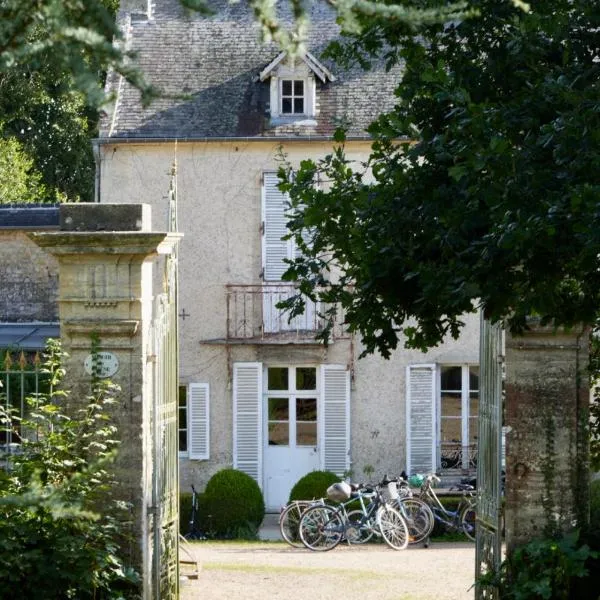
(165, 492)
(488, 540)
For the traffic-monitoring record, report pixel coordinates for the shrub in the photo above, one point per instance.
(53, 541)
(231, 506)
(185, 512)
(313, 485)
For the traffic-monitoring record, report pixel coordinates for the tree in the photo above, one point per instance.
(19, 182)
(483, 184)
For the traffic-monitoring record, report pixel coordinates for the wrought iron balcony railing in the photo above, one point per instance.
(252, 313)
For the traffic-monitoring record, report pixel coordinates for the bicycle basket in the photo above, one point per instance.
(339, 492)
(390, 491)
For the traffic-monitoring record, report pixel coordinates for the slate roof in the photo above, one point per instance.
(216, 61)
(29, 216)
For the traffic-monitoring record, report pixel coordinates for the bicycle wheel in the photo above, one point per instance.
(356, 531)
(289, 523)
(468, 521)
(392, 527)
(419, 518)
(321, 528)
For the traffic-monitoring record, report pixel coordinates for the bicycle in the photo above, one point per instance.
(417, 513)
(323, 527)
(194, 533)
(462, 519)
(289, 520)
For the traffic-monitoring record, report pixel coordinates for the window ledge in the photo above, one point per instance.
(299, 121)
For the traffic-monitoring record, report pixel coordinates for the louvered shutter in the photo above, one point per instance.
(275, 250)
(420, 419)
(198, 421)
(247, 419)
(335, 428)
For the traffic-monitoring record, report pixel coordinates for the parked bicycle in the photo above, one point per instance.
(193, 532)
(289, 520)
(463, 518)
(324, 527)
(416, 512)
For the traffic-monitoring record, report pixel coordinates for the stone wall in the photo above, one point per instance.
(547, 410)
(28, 280)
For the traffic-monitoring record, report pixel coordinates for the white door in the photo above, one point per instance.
(291, 402)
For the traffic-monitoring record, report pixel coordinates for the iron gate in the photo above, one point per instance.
(165, 489)
(488, 539)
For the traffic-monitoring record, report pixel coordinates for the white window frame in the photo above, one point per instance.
(291, 393)
(465, 416)
(286, 73)
(293, 96)
(183, 453)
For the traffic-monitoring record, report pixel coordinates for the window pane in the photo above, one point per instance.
(451, 378)
(277, 378)
(182, 418)
(182, 396)
(451, 456)
(286, 106)
(306, 409)
(279, 409)
(298, 105)
(473, 378)
(306, 378)
(298, 88)
(451, 404)
(473, 431)
(306, 434)
(183, 441)
(286, 87)
(279, 434)
(451, 430)
(473, 404)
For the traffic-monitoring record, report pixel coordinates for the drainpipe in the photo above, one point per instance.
(97, 174)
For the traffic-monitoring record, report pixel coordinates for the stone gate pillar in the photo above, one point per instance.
(105, 254)
(546, 414)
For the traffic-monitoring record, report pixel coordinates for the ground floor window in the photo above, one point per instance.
(458, 413)
(292, 404)
(183, 410)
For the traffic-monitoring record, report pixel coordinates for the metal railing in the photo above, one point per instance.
(20, 379)
(252, 313)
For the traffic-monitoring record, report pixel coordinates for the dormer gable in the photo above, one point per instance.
(293, 85)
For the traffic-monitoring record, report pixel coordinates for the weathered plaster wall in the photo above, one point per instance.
(219, 198)
(28, 280)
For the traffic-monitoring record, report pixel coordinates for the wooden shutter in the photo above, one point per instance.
(420, 419)
(247, 419)
(198, 421)
(335, 429)
(275, 250)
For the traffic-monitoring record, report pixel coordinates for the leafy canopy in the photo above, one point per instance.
(482, 187)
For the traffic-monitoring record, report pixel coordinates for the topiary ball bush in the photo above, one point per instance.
(231, 506)
(313, 485)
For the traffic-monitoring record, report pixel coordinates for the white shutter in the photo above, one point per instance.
(335, 419)
(198, 421)
(247, 419)
(420, 419)
(275, 250)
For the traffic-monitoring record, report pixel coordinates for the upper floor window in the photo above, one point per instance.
(292, 96)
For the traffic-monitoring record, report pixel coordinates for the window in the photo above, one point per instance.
(458, 414)
(292, 97)
(193, 421)
(291, 402)
(183, 441)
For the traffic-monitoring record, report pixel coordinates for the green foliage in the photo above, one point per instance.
(53, 541)
(231, 506)
(494, 205)
(313, 485)
(544, 570)
(19, 181)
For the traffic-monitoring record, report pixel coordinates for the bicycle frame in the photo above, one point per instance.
(450, 518)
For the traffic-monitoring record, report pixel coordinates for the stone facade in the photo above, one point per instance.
(28, 280)
(547, 413)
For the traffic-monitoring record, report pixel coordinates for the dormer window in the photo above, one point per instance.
(292, 97)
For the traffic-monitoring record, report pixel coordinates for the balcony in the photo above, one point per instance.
(252, 315)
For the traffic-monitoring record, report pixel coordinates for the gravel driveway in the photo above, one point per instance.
(273, 570)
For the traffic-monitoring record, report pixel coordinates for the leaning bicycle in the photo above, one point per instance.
(289, 520)
(324, 527)
(462, 519)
